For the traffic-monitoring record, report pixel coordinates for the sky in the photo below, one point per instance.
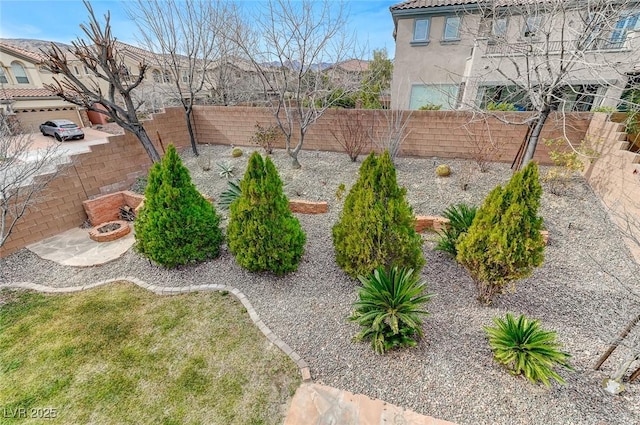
(59, 20)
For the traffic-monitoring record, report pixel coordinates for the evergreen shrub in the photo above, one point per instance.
(262, 233)
(176, 224)
(377, 225)
(504, 243)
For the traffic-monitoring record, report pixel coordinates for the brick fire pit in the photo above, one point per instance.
(110, 231)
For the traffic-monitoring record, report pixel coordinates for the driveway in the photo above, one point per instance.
(67, 148)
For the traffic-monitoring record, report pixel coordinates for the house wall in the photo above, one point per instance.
(615, 176)
(107, 168)
(446, 134)
(452, 63)
(30, 119)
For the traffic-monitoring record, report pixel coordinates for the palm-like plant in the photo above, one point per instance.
(526, 349)
(389, 308)
(460, 218)
(232, 193)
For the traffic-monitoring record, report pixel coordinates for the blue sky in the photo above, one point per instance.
(59, 20)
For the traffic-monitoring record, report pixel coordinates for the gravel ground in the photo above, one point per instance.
(450, 374)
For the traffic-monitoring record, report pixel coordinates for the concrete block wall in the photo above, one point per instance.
(446, 134)
(615, 175)
(107, 168)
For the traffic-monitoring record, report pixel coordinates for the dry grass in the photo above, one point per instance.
(120, 355)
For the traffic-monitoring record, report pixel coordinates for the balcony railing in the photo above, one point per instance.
(553, 47)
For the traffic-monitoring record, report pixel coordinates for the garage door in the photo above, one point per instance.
(31, 119)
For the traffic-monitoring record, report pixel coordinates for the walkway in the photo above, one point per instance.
(312, 404)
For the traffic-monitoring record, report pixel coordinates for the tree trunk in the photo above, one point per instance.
(532, 143)
(192, 137)
(142, 135)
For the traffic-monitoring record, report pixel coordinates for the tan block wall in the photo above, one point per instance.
(615, 175)
(445, 134)
(107, 168)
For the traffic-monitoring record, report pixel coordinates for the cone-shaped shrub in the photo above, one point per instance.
(376, 227)
(262, 233)
(176, 225)
(504, 242)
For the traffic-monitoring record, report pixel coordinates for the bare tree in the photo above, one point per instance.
(390, 130)
(185, 39)
(103, 60)
(291, 44)
(24, 174)
(550, 55)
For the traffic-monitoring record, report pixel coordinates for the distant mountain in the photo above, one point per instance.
(32, 45)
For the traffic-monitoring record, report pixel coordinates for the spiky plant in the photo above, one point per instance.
(460, 218)
(526, 349)
(390, 308)
(232, 193)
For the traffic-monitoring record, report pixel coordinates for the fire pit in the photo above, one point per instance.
(110, 231)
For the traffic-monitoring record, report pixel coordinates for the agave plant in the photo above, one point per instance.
(232, 193)
(526, 349)
(460, 218)
(390, 308)
(226, 170)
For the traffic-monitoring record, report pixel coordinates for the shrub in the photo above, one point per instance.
(266, 137)
(176, 225)
(225, 170)
(262, 233)
(232, 193)
(236, 152)
(504, 241)
(376, 226)
(502, 106)
(443, 170)
(430, 107)
(350, 131)
(526, 349)
(389, 308)
(460, 218)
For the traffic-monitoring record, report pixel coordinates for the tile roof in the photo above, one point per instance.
(17, 93)
(421, 4)
(35, 57)
(352, 65)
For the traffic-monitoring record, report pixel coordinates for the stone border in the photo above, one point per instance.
(173, 290)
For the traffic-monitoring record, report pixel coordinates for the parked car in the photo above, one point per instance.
(62, 130)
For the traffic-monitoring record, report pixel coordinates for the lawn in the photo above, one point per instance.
(122, 355)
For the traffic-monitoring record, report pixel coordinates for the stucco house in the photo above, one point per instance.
(468, 53)
(22, 91)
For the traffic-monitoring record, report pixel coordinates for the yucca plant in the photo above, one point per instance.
(460, 218)
(232, 193)
(526, 349)
(390, 308)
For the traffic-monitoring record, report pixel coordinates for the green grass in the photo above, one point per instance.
(122, 355)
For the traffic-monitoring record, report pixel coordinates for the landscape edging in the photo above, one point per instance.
(172, 290)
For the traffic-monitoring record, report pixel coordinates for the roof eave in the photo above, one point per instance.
(433, 10)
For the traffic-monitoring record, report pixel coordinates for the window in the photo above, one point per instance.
(532, 26)
(185, 77)
(20, 73)
(76, 71)
(625, 24)
(451, 28)
(444, 95)
(421, 30)
(156, 76)
(3, 76)
(498, 94)
(499, 26)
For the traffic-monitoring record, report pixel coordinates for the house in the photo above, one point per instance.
(470, 53)
(22, 91)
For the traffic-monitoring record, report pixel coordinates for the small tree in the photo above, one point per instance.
(105, 64)
(262, 233)
(504, 242)
(176, 225)
(22, 182)
(376, 227)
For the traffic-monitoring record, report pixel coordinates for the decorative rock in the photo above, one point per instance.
(430, 222)
(443, 170)
(308, 207)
